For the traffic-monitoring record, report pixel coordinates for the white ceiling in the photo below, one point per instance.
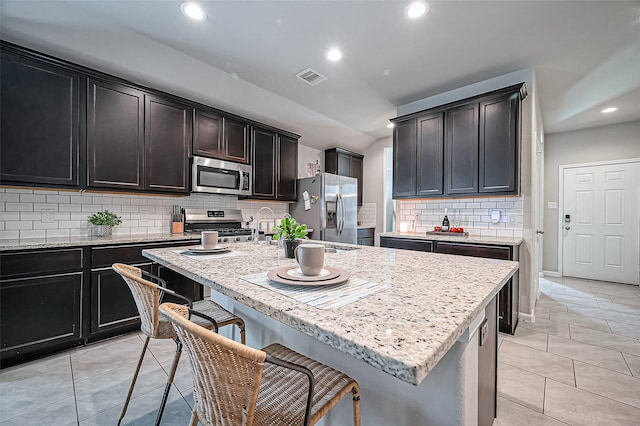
(244, 57)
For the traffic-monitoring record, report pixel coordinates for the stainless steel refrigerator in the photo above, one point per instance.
(327, 203)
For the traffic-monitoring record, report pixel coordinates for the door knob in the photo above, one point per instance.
(567, 227)
(538, 231)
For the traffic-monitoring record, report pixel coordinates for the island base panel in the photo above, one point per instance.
(447, 396)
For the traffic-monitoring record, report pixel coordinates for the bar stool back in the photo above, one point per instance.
(148, 296)
(237, 385)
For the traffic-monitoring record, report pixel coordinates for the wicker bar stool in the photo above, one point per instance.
(148, 297)
(238, 385)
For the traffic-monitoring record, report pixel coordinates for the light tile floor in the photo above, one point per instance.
(578, 364)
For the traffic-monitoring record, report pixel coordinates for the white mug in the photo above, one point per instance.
(209, 239)
(310, 257)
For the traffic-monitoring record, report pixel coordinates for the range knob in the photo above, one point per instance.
(249, 238)
(238, 238)
(225, 240)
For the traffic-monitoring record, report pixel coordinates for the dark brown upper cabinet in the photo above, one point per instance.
(265, 163)
(465, 148)
(499, 119)
(115, 136)
(404, 159)
(207, 134)
(275, 165)
(64, 125)
(287, 168)
(430, 158)
(236, 141)
(41, 106)
(345, 163)
(220, 137)
(461, 154)
(167, 137)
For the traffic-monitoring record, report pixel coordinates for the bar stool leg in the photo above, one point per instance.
(194, 418)
(242, 332)
(133, 382)
(172, 373)
(356, 405)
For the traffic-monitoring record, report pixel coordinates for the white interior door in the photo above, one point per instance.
(600, 222)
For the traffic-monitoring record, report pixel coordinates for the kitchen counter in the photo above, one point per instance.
(413, 346)
(404, 330)
(59, 242)
(498, 241)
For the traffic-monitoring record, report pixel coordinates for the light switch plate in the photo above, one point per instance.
(484, 331)
(552, 205)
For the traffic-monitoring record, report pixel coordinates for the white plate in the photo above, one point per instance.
(200, 249)
(297, 273)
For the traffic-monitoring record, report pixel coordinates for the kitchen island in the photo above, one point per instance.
(413, 346)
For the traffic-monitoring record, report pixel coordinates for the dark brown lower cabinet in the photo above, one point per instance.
(55, 299)
(509, 296)
(113, 310)
(366, 236)
(40, 303)
(406, 244)
(488, 368)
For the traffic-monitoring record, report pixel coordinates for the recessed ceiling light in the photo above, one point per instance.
(193, 11)
(416, 10)
(334, 54)
(390, 126)
(608, 110)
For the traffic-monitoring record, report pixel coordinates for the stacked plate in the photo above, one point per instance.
(294, 276)
(202, 250)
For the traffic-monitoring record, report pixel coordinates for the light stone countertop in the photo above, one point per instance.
(61, 242)
(403, 330)
(498, 241)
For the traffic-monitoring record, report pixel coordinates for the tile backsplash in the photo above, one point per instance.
(367, 215)
(473, 214)
(27, 213)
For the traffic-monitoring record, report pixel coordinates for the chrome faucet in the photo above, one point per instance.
(413, 224)
(258, 220)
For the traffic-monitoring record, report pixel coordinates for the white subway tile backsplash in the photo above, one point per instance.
(30, 233)
(471, 213)
(32, 198)
(141, 214)
(9, 235)
(17, 225)
(58, 233)
(18, 207)
(10, 198)
(59, 199)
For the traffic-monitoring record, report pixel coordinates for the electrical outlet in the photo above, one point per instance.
(512, 219)
(47, 215)
(144, 217)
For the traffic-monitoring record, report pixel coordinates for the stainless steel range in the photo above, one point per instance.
(228, 223)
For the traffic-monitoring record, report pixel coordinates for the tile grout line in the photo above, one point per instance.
(599, 396)
(75, 395)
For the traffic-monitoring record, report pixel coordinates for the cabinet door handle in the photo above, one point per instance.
(567, 227)
(539, 231)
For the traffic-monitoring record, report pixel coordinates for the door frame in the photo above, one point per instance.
(561, 170)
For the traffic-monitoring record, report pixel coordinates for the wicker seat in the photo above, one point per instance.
(238, 385)
(148, 296)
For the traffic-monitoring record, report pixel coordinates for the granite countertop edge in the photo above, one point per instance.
(82, 241)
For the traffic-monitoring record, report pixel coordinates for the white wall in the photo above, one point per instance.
(306, 154)
(373, 178)
(531, 121)
(614, 142)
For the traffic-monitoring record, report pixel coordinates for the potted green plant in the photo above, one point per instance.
(290, 232)
(105, 221)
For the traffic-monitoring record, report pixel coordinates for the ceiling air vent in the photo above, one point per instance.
(310, 76)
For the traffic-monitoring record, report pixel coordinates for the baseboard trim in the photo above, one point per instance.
(526, 317)
(551, 274)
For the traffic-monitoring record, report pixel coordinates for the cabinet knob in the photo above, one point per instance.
(567, 227)
(539, 231)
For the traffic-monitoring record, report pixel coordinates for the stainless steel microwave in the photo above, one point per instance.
(220, 177)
